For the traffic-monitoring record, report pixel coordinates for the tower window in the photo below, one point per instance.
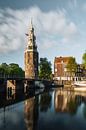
(30, 47)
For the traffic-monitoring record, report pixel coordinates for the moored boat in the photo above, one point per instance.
(80, 83)
(80, 86)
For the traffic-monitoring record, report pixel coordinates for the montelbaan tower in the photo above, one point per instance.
(31, 55)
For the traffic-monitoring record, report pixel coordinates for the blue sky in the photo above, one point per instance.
(60, 28)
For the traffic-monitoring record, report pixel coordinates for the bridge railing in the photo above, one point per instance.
(10, 76)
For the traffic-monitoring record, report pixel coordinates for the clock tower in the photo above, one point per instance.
(31, 55)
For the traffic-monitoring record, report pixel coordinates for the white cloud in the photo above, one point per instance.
(70, 30)
(48, 26)
(47, 44)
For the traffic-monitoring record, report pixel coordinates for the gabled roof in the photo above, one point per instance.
(62, 59)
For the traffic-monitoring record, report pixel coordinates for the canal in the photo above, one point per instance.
(56, 109)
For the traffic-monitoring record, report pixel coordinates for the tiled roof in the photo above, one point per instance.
(61, 59)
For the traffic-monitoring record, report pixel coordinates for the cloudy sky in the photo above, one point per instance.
(60, 28)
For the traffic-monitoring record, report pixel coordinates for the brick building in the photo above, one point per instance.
(60, 70)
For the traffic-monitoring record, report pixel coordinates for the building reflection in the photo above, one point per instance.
(68, 101)
(45, 101)
(31, 113)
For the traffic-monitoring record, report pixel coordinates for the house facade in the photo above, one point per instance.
(60, 69)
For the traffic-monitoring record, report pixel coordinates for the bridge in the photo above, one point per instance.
(12, 85)
(9, 85)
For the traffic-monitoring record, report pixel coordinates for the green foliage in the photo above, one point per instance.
(45, 102)
(11, 70)
(84, 60)
(72, 65)
(72, 106)
(4, 68)
(45, 70)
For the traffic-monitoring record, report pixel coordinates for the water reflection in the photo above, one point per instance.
(33, 107)
(31, 113)
(55, 109)
(68, 101)
(45, 101)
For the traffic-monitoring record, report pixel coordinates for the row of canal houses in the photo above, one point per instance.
(61, 72)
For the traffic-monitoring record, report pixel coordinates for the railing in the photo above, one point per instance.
(5, 76)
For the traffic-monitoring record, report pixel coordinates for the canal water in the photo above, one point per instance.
(56, 109)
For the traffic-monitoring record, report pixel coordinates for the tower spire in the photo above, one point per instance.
(31, 21)
(31, 54)
(31, 24)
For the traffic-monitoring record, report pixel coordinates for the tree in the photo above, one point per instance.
(11, 70)
(45, 70)
(14, 69)
(84, 59)
(72, 65)
(4, 69)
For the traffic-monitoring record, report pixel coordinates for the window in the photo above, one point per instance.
(30, 47)
(55, 70)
